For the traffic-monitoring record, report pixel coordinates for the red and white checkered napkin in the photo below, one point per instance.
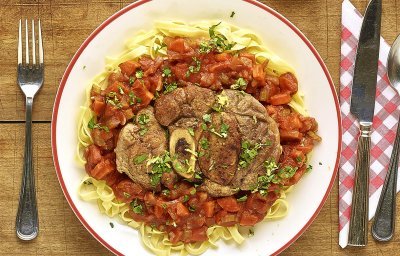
(384, 124)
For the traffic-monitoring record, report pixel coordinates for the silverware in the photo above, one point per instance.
(384, 221)
(362, 107)
(30, 79)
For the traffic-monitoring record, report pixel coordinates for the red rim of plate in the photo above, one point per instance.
(105, 24)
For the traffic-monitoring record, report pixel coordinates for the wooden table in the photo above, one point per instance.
(65, 26)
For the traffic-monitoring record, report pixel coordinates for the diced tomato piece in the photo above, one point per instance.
(98, 106)
(129, 67)
(100, 137)
(113, 178)
(181, 210)
(258, 73)
(117, 77)
(247, 219)
(263, 94)
(280, 99)
(126, 190)
(158, 211)
(142, 92)
(150, 199)
(288, 83)
(297, 176)
(291, 135)
(257, 202)
(199, 234)
(175, 235)
(209, 208)
(222, 56)
(178, 45)
(220, 67)
(228, 203)
(93, 155)
(226, 219)
(102, 169)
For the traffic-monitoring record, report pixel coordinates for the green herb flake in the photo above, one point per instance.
(192, 208)
(224, 130)
(137, 208)
(112, 99)
(87, 182)
(204, 127)
(194, 68)
(207, 118)
(249, 152)
(240, 84)
(204, 143)
(166, 72)
(158, 48)
(242, 199)
(309, 168)
(111, 225)
(139, 74)
(131, 80)
(232, 14)
(197, 176)
(159, 165)
(320, 163)
(126, 195)
(193, 191)
(166, 192)
(140, 159)
(121, 91)
(185, 198)
(170, 87)
(299, 159)
(143, 119)
(191, 131)
(93, 125)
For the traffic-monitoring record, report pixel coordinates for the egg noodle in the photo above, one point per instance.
(151, 43)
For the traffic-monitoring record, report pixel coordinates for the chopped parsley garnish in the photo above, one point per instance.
(170, 87)
(191, 131)
(87, 182)
(131, 80)
(207, 118)
(299, 159)
(160, 164)
(232, 14)
(217, 42)
(166, 192)
(204, 143)
(143, 119)
(309, 168)
(166, 72)
(220, 103)
(133, 99)
(158, 48)
(185, 198)
(192, 209)
(121, 91)
(224, 130)
(126, 195)
(240, 84)
(194, 68)
(140, 159)
(137, 208)
(249, 152)
(112, 99)
(193, 191)
(197, 176)
(242, 199)
(139, 73)
(204, 127)
(92, 125)
(111, 225)
(320, 163)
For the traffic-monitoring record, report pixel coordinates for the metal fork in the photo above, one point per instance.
(30, 80)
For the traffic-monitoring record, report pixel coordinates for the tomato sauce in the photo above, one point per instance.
(180, 210)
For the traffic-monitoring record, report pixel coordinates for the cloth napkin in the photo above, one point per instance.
(384, 124)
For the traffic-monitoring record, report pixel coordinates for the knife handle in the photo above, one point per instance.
(383, 226)
(359, 207)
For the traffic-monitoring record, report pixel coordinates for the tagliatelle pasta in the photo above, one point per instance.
(151, 43)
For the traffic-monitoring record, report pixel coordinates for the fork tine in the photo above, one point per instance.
(19, 43)
(26, 43)
(40, 44)
(33, 44)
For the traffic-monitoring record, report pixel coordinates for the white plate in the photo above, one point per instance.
(278, 34)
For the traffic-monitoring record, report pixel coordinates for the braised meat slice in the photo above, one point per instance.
(189, 101)
(219, 148)
(138, 142)
(257, 130)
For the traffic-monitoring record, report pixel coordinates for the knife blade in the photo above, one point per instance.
(362, 106)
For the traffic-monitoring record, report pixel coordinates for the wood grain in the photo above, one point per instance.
(65, 26)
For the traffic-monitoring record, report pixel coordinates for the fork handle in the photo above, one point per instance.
(27, 224)
(359, 206)
(384, 222)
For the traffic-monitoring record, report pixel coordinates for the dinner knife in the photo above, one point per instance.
(362, 107)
